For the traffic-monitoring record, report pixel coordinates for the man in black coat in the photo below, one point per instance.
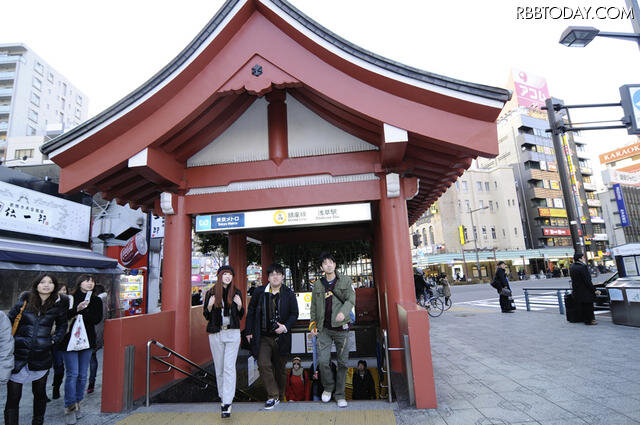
(272, 313)
(584, 293)
(506, 301)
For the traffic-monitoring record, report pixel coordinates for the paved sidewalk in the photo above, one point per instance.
(490, 369)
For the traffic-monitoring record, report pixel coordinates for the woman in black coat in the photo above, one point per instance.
(35, 314)
(506, 301)
(223, 310)
(88, 308)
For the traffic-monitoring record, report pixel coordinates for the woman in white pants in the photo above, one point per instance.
(223, 310)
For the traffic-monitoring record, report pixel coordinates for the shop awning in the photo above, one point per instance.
(18, 254)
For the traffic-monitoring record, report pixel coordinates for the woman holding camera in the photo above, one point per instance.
(33, 319)
(223, 310)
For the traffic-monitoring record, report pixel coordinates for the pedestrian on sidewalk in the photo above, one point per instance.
(58, 361)
(6, 348)
(504, 290)
(33, 317)
(223, 310)
(93, 363)
(271, 315)
(584, 293)
(85, 306)
(331, 305)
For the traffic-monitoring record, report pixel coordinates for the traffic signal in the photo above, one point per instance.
(461, 232)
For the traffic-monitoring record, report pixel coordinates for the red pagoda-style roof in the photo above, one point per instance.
(140, 146)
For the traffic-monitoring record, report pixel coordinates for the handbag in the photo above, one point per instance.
(505, 292)
(78, 340)
(16, 322)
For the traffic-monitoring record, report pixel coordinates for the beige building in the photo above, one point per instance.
(496, 226)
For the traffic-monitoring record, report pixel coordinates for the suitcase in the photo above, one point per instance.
(572, 309)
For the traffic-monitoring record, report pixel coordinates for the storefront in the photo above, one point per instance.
(268, 113)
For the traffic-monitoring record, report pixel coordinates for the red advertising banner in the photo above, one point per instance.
(563, 231)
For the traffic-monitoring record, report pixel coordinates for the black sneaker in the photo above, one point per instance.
(225, 411)
(271, 403)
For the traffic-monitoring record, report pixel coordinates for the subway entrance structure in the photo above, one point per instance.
(266, 109)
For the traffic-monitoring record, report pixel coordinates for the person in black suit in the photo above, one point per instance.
(584, 293)
(503, 288)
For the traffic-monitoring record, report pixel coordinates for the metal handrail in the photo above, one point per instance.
(161, 359)
(558, 290)
(387, 363)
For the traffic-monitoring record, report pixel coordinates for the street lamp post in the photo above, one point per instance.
(475, 238)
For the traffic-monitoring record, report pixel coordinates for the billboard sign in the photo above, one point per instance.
(622, 209)
(630, 99)
(557, 232)
(531, 90)
(620, 153)
(27, 211)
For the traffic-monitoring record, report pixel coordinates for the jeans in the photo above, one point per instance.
(224, 350)
(341, 339)
(76, 364)
(93, 368)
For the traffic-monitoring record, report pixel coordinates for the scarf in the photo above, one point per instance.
(298, 372)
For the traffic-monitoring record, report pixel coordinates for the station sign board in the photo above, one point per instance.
(286, 217)
(622, 209)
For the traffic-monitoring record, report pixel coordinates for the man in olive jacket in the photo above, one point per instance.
(584, 293)
(332, 300)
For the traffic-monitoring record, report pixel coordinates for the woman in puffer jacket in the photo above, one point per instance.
(36, 313)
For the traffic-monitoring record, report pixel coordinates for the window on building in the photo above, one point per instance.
(549, 202)
(39, 68)
(491, 206)
(35, 99)
(36, 83)
(484, 232)
(459, 205)
(479, 186)
(513, 202)
(465, 187)
(558, 203)
(79, 100)
(64, 89)
(467, 205)
(31, 131)
(495, 184)
(545, 184)
(33, 115)
(78, 113)
(475, 233)
(504, 233)
(515, 231)
(486, 186)
(481, 203)
(457, 185)
(496, 205)
(424, 237)
(50, 78)
(464, 232)
(431, 236)
(61, 117)
(493, 233)
(21, 153)
(508, 202)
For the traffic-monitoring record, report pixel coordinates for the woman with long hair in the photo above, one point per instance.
(58, 361)
(223, 310)
(88, 308)
(34, 317)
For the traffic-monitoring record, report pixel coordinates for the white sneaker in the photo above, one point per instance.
(342, 403)
(326, 396)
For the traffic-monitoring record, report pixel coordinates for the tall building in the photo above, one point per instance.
(487, 195)
(621, 169)
(525, 145)
(33, 97)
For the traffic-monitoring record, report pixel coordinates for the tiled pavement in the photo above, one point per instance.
(498, 369)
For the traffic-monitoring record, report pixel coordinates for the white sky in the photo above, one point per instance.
(107, 49)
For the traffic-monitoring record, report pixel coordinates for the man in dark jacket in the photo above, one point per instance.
(362, 381)
(584, 293)
(272, 312)
(504, 290)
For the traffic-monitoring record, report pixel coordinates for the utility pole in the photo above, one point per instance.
(557, 131)
(475, 239)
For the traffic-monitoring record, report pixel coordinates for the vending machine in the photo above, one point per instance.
(131, 293)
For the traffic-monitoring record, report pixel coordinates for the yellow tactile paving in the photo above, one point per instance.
(342, 417)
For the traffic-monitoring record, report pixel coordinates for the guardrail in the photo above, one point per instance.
(528, 301)
(387, 371)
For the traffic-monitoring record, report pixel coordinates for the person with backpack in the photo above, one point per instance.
(501, 284)
(298, 383)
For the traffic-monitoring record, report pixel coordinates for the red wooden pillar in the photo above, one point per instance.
(266, 259)
(238, 260)
(396, 254)
(277, 122)
(378, 275)
(176, 279)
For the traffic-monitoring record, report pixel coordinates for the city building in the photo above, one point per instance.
(622, 169)
(489, 195)
(34, 95)
(526, 146)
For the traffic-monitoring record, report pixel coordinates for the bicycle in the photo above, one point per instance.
(445, 300)
(433, 304)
